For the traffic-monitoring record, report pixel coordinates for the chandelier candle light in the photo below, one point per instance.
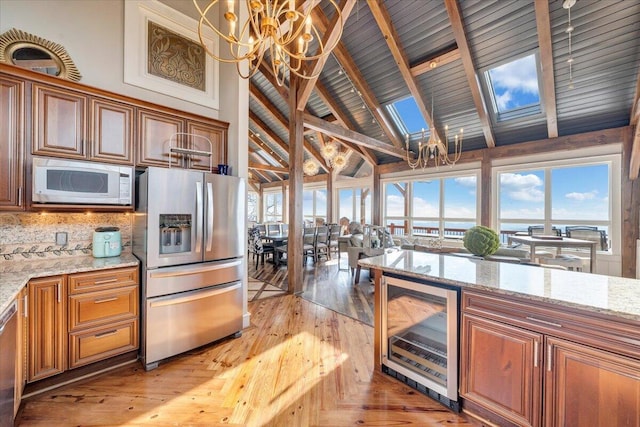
(435, 150)
(275, 26)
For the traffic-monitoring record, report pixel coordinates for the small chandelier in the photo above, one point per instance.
(339, 161)
(310, 168)
(435, 150)
(329, 150)
(275, 26)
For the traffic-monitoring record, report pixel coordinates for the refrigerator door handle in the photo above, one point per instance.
(196, 270)
(197, 295)
(209, 216)
(199, 219)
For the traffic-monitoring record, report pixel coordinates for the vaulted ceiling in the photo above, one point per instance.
(437, 51)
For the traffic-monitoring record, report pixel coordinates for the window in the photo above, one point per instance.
(438, 207)
(314, 205)
(355, 204)
(514, 88)
(252, 206)
(273, 207)
(407, 117)
(557, 195)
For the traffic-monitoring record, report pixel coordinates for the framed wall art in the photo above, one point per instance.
(162, 53)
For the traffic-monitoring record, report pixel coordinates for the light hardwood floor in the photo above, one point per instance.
(298, 364)
(326, 284)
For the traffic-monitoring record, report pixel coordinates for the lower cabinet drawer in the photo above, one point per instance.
(95, 308)
(100, 343)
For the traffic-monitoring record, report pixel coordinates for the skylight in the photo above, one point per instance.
(514, 88)
(407, 116)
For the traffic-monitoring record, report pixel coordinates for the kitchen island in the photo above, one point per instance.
(537, 346)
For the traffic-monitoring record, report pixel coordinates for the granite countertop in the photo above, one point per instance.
(14, 275)
(597, 293)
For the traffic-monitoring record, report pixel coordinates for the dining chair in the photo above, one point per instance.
(308, 243)
(321, 247)
(334, 234)
(585, 232)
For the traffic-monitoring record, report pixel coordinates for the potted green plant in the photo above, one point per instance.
(481, 240)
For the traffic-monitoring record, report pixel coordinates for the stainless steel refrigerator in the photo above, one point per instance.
(189, 229)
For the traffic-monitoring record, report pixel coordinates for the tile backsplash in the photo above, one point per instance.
(33, 235)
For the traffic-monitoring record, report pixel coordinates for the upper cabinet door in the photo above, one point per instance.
(59, 127)
(111, 132)
(11, 144)
(217, 135)
(156, 133)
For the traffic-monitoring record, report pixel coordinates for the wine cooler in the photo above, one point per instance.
(420, 337)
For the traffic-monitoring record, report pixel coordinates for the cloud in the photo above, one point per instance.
(467, 181)
(422, 208)
(582, 196)
(520, 75)
(526, 188)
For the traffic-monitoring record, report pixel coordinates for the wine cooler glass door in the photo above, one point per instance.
(422, 334)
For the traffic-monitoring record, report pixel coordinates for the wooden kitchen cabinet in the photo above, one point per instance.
(103, 315)
(156, 132)
(11, 144)
(112, 131)
(159, 132)
(526, 363)
(586, 386)
(503, 371)
(21, 333)
(74, 125)
(81, 318)
(217, 135)
(58, 120)
(47, 330)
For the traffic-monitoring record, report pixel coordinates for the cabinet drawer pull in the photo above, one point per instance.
(106, 334)
(99, 301)
(105, 281)
(535, 354)
(546, 322)
(549, 355)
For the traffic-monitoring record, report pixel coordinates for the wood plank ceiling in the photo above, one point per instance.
(437, 52)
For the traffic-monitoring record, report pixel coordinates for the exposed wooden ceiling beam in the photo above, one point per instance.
(353, 72)
(635, 109)
(266, 129)
(261, 167)
(331, 36)
(352, 136)
(256, 140)
(546, 59)
(255, 185)
(467, 61)
(390, 35)
(438, 60)
(342, 119)
(284, 122)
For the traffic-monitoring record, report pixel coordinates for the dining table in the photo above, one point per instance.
(277, 240)
(558, 242)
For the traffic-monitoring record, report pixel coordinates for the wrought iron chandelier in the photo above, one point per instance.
(435, 150)
(273, 26)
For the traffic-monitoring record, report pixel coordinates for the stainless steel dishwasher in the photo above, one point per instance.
(8, 326)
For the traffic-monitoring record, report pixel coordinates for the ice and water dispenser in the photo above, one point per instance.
(175, 233)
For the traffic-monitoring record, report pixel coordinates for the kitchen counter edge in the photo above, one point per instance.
(16, 274)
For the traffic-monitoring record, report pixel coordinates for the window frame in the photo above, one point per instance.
(515, 115)
(441, 176)
(608, 155)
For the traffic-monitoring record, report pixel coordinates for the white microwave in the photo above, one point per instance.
(75, 182)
